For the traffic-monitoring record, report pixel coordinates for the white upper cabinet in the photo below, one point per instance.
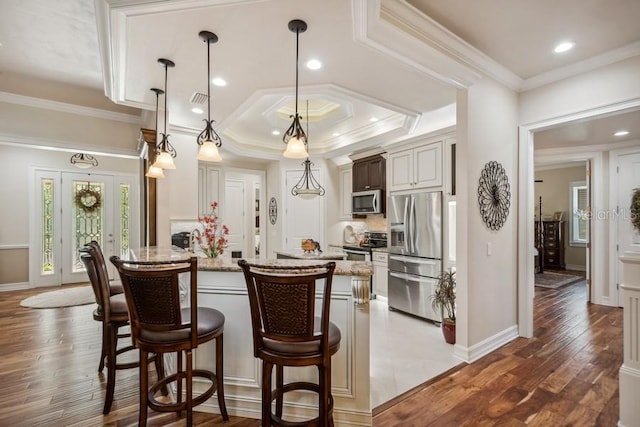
(345, 192)
(414, 168)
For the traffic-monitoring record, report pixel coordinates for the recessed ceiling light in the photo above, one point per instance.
(335, 134)
(219, 81)
(275, 132)
(314, 64)
(621, 133)
(373, 119)
(563, 47)
(197, 110)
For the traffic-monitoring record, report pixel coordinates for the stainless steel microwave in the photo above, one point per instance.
(366, 202)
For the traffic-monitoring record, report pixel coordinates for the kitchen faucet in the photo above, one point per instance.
(192, 236)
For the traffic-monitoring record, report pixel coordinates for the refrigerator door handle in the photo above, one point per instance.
(407, 236)
(414, 226)
(412, 260)
(406, 277)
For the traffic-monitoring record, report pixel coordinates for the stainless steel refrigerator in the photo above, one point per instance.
(415, 252)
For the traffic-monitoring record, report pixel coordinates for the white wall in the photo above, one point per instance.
(53, 128)
(487, 284)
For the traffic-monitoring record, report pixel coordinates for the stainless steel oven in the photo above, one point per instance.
(357, 255)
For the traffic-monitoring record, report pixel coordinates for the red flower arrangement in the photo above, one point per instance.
(213, 238)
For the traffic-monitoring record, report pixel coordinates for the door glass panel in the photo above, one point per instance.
(125, 218)
(87, 219)
(46, 186)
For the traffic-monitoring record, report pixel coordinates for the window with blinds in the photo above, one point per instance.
(579, 233)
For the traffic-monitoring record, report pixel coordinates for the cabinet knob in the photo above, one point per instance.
(367, 186)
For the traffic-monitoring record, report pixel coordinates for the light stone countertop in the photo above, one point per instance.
(313, 255)
(343, 268)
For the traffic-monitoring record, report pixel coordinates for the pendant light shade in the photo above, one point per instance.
(165, 151)
(154, 171)
(294, 137)
(308, 187)
(208, 140)
(295, 149)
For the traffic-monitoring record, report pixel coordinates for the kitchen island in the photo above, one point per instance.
(222, 286)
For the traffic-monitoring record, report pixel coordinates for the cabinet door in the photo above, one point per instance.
(377, 174)
(345, 193)
(401, 170)
(428, 166)
(360, 176)
(380, 278)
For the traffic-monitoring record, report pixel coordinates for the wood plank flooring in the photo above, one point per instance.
(566, 375)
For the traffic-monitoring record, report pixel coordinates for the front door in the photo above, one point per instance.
(87, 215)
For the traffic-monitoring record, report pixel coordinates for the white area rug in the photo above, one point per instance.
(61, 298)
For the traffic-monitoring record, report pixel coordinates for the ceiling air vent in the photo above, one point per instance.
(199, 98)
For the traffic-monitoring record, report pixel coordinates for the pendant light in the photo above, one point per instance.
(308, 187)
(154, 171)
(165, 151)
(295, 137)
(84, 161)
(208, 140)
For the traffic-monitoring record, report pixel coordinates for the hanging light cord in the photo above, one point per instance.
(209, 134)
(295, 130)
(165, 145)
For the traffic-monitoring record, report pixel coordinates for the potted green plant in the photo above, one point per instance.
(444, 300)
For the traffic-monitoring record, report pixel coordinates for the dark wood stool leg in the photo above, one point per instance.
(329, 397)
(323, 399)
(189, 388)
(112, 342)
(266, 393)
(180, 376)
(144, 389)
(103, 351)
(220, 377)
(159, 363)
(279, 385)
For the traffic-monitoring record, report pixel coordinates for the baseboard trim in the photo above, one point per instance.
(7, 287)
(484, 347)
(575, 267)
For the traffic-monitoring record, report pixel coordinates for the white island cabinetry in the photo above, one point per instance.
(223, 287)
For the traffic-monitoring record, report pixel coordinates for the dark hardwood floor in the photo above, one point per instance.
(566, 375)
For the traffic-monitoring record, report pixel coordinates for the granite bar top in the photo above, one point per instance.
(312, 255)
(343, 268)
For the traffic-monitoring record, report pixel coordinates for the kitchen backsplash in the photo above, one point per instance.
(376, 222)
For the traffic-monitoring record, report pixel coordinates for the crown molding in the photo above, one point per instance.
(47, 104)
(466, 57)
(391, 37)
(64, 146)
(611, 57)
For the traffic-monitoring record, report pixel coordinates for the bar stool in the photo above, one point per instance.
(160, 325)
(114, 287)
(112, 313)
(286, 332)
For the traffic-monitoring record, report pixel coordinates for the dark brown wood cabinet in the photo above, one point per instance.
(553, 243)
(369, 173)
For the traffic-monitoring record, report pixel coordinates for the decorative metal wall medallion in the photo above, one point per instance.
(273, 211)
(494, 195)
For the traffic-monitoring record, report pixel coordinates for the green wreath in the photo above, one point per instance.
(635, 209)
(88, 200)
